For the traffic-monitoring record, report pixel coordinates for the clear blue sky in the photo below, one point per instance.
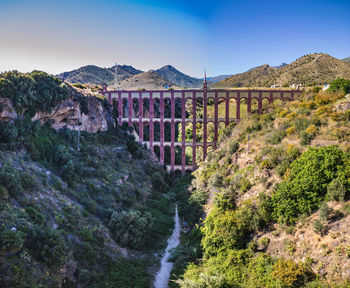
(223, 36)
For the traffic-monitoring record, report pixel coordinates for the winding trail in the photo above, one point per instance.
(163, 275)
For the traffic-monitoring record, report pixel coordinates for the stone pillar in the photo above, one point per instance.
(194, 104)
(238, 106)
(249, 103)
(227, 113)
(130, 109)
(216, 123)
(271, 97)
(205, 123)
(260, 103)
(140, 118)
(281, 95)
(292, 96)
(183, 135)
(172, 125)
(151, 116)
(120, 109)
(110, 98)
(161, 124)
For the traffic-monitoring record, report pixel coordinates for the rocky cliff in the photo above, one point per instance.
(79, 113)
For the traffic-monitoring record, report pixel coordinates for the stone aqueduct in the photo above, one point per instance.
(218, 95)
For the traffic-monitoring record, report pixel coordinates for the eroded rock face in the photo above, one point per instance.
(69, 113)
(7, 112)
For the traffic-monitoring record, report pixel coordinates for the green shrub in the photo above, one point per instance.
(336, 190)
(306, 186)
(35, 215)
(28, 181)
(131, 228)
(275, 137)
(46, 245)
(291, 274)
(33, 91)
(340, 85)
(10, 179)
(305, 138)
(12, 240)
(4, 195)
(325, 211)
(319, 227)
(127, 273)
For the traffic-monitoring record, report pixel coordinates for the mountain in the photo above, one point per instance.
(178, 78)
(317, 68)
(218, 78)
(247, 79)
(346, 59)
(92, 74)
(145, 80)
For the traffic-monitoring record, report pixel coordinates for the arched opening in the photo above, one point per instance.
(254, 105)
(115, 108)
(167, 155)
(221, 130)
(188, 154)
(199, 132)
(156, 108)
(199, 155)
(135, 108)
(156, 150)
(177, 173)
(167, 108)
(125, 108)
(145, 108)
(167, 131)
(265, 105)
(178, 108)
(156, 130)
(178, 155)
(210, 132)
(145, 131)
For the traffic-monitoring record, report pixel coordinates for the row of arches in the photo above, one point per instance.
(224, 107)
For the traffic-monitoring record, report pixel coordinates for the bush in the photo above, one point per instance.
(319, 227)
(10, 179)
(291, 274)
(325, 211)
(12, 240)
(276, 137)
(4, 195)
(127, 273)
(305, 138)
(336, 190)
(46, 245)
(306, 186)
(340, 85)
(131, 228)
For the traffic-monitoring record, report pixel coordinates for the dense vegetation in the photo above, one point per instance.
(68, 200)
(265, 180)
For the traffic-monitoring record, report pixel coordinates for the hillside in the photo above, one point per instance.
(77, 209)
(91, 74)
(312, 69)
(346, 59)
(274, 198)
(145, 80)
(178, 78)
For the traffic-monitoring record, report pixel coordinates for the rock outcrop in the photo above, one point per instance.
(7, 112)
(70, 113)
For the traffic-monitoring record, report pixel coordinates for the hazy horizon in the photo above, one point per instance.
(224, 37)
